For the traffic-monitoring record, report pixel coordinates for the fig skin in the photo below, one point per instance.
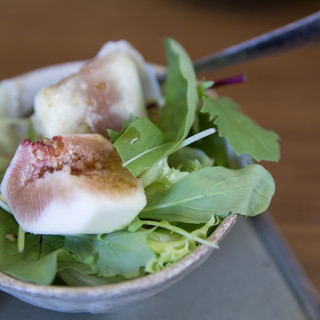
(71, 184)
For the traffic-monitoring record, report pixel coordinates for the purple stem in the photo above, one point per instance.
(231, 80)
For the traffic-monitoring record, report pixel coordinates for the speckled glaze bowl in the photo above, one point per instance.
(104, 298)
(108, 298)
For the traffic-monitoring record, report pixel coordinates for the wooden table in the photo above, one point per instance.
(282, 92)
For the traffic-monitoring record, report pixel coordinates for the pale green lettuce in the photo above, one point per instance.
(160, 177)
(190, 159)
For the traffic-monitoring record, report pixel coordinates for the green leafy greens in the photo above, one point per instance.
(143, 144)
(118, 253)
(213, 191)
(34, 264)
(181, 95)
(242, 133)
(12, 132)
(196, 164)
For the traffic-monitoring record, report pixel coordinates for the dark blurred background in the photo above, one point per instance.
(282, 92)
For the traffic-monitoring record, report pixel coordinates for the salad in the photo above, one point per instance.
(94, 194)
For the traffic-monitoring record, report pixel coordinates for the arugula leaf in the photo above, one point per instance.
(131, 142)
(114, 135)
(118, 253)
(213, 145)
(203, 86)
(39, 271)
(181, 96)
(143, 144)
(213, 191)
(34, 264)
(245, 136)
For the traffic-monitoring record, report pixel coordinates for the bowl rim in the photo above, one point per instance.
(128, 287)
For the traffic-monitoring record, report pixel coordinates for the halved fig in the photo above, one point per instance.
(17, 93)
(103, 94)
(71, 184)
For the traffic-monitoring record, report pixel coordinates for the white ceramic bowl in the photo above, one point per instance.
(97, 299)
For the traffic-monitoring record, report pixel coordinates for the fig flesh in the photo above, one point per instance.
(17, 93)
(100, 96)
(71, 184)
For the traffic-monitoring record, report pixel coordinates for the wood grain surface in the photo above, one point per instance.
(282, 92)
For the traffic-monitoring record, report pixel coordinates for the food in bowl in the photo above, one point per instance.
(114, 179)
